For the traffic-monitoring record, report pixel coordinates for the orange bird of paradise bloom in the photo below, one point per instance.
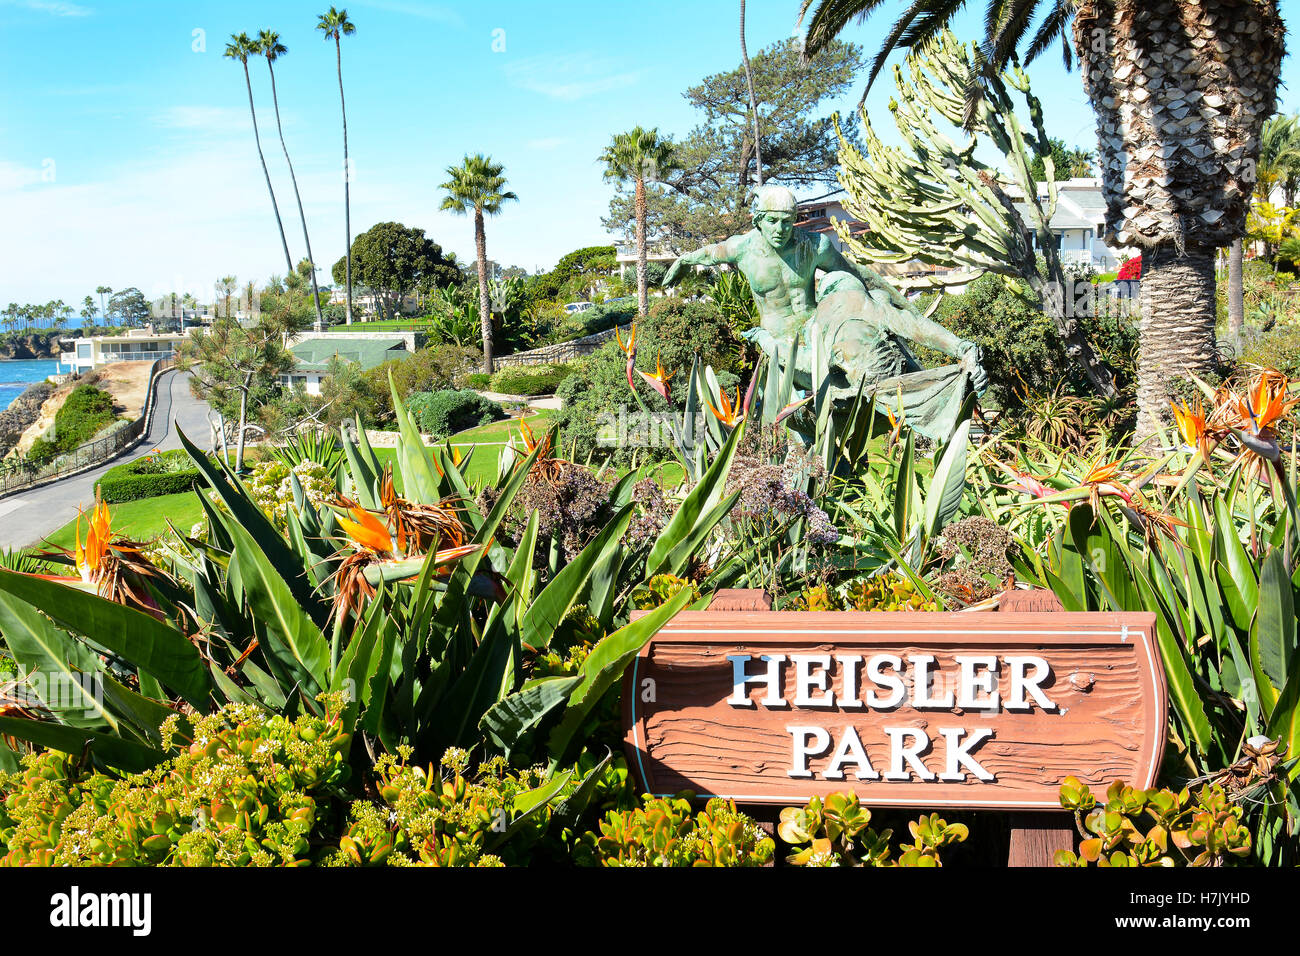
(89, 558)
(731, 415)
(1192, 426)
(630, 351)
(660, 380)
(366, 531)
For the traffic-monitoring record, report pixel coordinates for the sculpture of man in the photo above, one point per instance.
(860, 318)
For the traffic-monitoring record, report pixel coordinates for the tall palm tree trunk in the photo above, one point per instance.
(1236, 290)
(484, 302)
(257, 138)
(315, 291)
(642, 295)
(347, 179)
(1177, 328)
(753, 101)
(1181, 89)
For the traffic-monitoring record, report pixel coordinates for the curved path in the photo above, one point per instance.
(28, 516)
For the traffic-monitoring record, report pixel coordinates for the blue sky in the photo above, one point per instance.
(126, 154)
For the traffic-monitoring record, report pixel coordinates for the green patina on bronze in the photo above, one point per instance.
(864, 324)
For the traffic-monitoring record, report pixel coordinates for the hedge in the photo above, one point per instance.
(448, 411)
(530, 380)
(148, 477)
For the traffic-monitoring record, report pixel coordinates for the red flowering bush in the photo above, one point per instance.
(1131, 269)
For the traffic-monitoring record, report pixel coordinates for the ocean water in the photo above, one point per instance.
(17, 374)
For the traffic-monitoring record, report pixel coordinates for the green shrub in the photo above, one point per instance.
(1277, 348)
(85, 412)
(251, 790)
(446, 412)
(479, 380)
(429, 369)
(1155, 827)
(1023, 353)
(837, 833)
(597, 392)
(530, 379)
(606, 315)
(666, 832)
(158, 473)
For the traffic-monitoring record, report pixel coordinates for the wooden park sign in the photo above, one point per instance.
(970, 710)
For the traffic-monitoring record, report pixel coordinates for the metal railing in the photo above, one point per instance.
(22, 474)
(153, 355)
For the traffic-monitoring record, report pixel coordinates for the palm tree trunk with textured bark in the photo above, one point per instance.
(1181, 90)
(1177, 330)
(642, 296)
(484, 301)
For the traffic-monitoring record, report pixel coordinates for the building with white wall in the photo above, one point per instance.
(135, 345)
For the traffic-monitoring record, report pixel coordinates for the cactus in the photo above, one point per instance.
(932, 200)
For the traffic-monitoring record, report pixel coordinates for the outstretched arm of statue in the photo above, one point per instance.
(711, 255)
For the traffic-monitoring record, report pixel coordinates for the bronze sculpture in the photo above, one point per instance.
(862, 321)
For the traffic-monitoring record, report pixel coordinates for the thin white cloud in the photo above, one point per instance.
(570, 77)
(55, 8)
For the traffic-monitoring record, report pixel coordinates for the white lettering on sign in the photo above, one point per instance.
(887, 682)
(806, 681)
(772, 679)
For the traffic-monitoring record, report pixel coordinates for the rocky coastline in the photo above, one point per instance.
(33, 346)
(21, 414)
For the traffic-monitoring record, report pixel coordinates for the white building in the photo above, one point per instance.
(1079, 224)
(136, 345)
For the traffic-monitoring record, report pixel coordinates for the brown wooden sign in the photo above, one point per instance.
(979, 710)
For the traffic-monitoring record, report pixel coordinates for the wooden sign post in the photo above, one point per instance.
(934, 710)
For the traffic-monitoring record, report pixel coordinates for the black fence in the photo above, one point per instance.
(20, 474)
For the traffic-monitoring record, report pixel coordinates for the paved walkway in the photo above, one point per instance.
(27, 517)
(535, 401)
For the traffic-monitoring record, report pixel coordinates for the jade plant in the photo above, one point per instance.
(837, 831)
(666, 832)
(1156, 827)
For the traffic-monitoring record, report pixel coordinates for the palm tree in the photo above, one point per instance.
(478, 184)
(1178, 134)
(241, 48)
(268, 44)
(753, 103)
(641, 156)
(1279, 158)
(335, 25)
(103, 290)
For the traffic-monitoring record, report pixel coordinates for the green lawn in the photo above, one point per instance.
(143, 519)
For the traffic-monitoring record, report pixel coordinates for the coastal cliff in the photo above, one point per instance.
(36, 345)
